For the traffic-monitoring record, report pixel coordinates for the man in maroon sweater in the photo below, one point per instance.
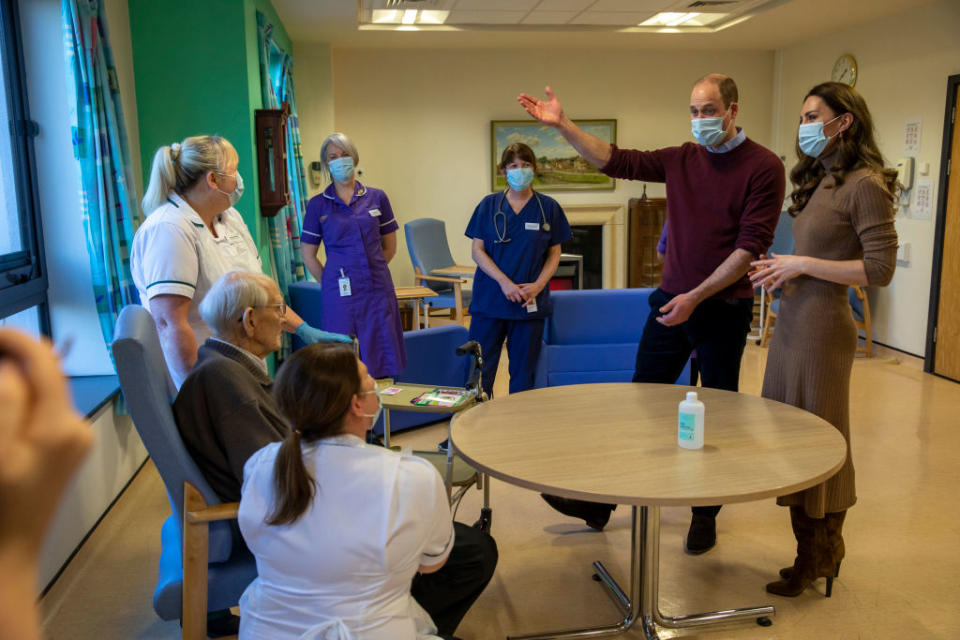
(723, 201)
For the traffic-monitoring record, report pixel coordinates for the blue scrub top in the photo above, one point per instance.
(522, 258)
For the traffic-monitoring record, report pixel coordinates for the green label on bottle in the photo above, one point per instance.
(688, 423)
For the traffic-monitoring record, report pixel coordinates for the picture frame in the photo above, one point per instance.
(559, 166)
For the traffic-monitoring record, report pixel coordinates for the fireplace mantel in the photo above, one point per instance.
(613, 217)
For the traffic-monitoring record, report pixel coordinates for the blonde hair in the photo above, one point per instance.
(344, 142)
(181, 165)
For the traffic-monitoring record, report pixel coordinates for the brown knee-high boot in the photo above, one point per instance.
(814, 557)
(834, 524)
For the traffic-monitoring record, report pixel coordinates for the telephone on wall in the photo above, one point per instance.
(905, 172)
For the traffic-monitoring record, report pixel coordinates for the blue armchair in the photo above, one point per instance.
(203, 563)
(429, 250)
(430, 355)
(592, 336)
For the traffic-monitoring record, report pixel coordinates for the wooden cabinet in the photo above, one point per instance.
(646, 219)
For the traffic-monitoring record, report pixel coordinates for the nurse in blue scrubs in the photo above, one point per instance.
(516, 245)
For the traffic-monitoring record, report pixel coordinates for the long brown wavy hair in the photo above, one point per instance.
(313, 390)
(857, 145)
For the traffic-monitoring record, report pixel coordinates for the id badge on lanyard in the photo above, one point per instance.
(344, 283)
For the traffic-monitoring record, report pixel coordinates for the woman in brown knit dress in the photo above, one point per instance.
(843, 204)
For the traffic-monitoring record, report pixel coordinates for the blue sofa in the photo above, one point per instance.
(430, 355)
(592, 336)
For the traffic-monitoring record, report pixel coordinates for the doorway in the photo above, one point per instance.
(943, 327)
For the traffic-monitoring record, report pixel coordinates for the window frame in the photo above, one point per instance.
(24, 270)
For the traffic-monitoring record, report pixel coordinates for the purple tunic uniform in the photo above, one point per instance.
(352, 235)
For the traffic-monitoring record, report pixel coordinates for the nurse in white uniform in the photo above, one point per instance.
(191, 237)
(345, 533)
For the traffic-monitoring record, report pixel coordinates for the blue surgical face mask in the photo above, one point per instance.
(708, 131)
(520, 179)
(237, 190)
(376, 415)
(811, 139)
(341, 169)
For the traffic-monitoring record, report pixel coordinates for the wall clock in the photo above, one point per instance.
(845, 70)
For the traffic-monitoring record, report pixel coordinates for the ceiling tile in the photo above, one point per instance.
(625, 18)
(632, 5)
(485, 17)
(494, 5)
(549, 17)
(564, 5)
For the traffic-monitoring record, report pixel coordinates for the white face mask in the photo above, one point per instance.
(375, 415)
(237, 191)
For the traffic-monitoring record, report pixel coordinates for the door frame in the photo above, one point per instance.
(949, 125)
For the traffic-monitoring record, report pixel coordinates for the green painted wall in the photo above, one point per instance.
(196, 69)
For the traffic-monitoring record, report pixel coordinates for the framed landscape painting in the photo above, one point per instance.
(559, 166)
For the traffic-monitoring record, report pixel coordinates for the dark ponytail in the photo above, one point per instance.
(313, 389)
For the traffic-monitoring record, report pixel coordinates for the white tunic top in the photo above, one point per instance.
(343, 570)
(174, 252)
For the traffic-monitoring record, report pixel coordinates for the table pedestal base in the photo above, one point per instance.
(644, 579)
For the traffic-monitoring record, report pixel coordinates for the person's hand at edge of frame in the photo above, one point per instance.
(42, 439)
(548, 112)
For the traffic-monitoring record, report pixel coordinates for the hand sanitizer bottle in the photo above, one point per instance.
(690, 427)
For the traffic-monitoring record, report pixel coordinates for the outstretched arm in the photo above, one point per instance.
(594, 150)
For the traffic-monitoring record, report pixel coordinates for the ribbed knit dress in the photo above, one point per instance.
(815, 340)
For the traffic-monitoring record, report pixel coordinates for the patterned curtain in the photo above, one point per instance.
(276, 86)
(110, 215)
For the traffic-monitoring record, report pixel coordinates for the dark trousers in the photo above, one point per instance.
(448, 593)
(524, 338)
(717, 329)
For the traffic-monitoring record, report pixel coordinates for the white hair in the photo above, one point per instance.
(341, 140)
(179, 166)
(230, 295)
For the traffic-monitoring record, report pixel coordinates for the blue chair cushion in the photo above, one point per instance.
(226, 581)
(856, 305)
(598, 316)
(427, 244)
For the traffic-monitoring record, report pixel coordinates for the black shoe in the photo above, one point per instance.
(595, 514)
(443, 446)
(702, 535)
(222, 623)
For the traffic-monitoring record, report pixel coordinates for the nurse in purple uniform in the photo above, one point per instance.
(357, 227)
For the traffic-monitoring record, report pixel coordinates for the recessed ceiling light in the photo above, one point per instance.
(433, 17)
(409, 16)
(385, 16)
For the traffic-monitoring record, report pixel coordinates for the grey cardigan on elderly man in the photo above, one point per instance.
(225, 412)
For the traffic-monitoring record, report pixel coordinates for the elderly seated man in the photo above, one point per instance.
(225, 410)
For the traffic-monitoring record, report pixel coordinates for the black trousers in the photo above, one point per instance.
(448, 593)
(717, 329)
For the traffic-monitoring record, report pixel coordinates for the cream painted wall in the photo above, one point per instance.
(421, 118)
(313, 81)
(903, 62)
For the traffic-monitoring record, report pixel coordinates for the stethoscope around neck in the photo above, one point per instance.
(502, 237)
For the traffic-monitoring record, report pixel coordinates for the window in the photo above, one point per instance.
(23, 280)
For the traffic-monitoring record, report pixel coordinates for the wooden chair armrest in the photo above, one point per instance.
(225, 511)
(421, 276)
(859, 291)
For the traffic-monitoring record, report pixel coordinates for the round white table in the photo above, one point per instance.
(618, 443)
